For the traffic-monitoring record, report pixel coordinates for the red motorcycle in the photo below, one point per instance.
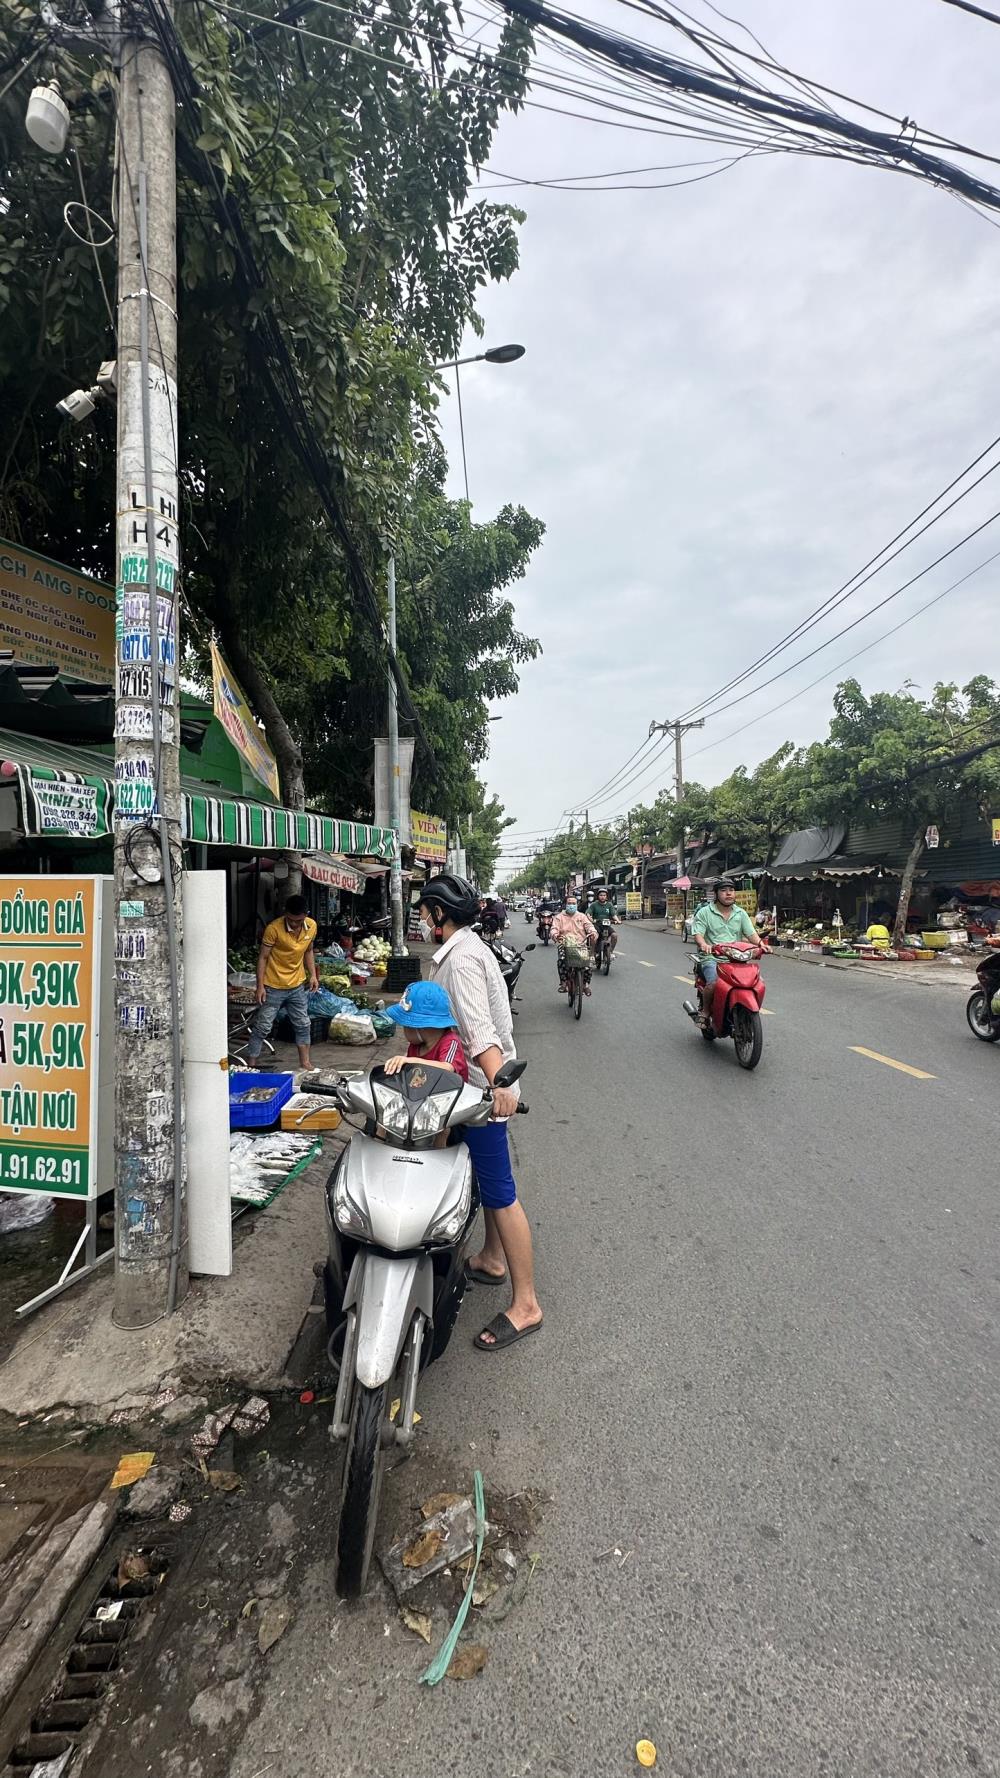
(739, 996)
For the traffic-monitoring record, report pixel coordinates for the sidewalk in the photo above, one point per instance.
(229, 1331)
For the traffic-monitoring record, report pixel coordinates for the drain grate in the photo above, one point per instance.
(89, 1668)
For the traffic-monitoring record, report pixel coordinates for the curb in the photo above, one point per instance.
(35, 1604)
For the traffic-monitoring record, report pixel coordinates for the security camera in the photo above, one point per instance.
(78, 406)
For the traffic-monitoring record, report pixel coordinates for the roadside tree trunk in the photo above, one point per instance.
(906, 886)
(285, 747)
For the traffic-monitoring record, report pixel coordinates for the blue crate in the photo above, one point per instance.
(260, 1114)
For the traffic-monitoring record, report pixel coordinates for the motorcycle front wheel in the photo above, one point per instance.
(748, 1036)
(981, 1020)
(364, 1467)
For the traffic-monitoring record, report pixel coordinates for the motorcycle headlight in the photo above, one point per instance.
(348, 1216)
(393, 1111)
(449, 1227)
(431, 1117)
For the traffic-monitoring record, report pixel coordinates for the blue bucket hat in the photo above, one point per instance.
(424, 1007)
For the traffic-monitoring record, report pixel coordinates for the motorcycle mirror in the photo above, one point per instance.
(509, 1073)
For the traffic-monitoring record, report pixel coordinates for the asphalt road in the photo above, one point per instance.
(769, 1376)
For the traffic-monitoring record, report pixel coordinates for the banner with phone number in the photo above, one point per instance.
(49, 938)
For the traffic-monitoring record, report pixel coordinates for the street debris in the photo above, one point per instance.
(179, 1513)
(645, 1753)
(151, 1497)
(252, 1417)
(467, 1661)
(274, 1621)
(419, 1622)
(133, 1566)
(132, 1468)
(211, 1430)
(484, 1590)
(506, 1560)
(438, 1503)
(441, 1543)
(443, 1660)
(225, 1481)
(394, 1410)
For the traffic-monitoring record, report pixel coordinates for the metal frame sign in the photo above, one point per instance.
(50, 985)
(430, 838)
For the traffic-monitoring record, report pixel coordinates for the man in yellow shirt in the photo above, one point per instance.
(286, 972)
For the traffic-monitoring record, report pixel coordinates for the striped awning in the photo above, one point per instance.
(68, 793)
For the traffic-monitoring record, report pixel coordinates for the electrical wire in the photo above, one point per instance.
(25, 65)
(873, 566)
(88, 239)
(980, 12)
(595, 796)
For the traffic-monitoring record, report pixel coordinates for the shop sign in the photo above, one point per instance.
(633, 902)
(995, 824)
(238, 720)
(51, 616)
(333, 873)
(64, 803)
(50, 933)
(932, 838)
(430, 838)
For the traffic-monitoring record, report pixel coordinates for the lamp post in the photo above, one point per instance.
(396, 975)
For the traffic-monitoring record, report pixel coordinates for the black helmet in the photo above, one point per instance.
(455, 897)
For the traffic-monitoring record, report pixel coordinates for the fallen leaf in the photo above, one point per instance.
(225, 1481)
(394, 1410)
(132, 1567)
(249, 1608)
(466, 1662)
(418, 1622)
(274, 1621)
(423, 1549)
(484, 1589)
(439, 1503)
(132, 1468)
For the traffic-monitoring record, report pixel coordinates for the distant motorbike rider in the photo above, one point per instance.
(720, 922)
(605, 917)
(570, 923)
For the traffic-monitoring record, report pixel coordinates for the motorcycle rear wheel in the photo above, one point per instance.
(364, 1467)
(748, 1036)
(981, 1020)
(607, 957)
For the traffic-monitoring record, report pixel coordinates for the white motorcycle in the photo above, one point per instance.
(400, 1217)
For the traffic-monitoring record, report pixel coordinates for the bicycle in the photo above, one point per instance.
(576, 964)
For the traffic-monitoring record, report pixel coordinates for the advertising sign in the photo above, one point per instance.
(237, 719)
(430, 838)
(995, 825)
(51, 616)
(50, 932)
(333, 873)
(382, 801)
(633, 902)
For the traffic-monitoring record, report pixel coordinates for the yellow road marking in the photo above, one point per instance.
(904, 1067)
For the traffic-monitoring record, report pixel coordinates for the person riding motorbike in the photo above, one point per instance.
(604, 914)
(570, 923)
(720, 922)
(492, 916)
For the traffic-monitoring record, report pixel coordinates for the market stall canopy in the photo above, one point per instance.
(334, 872)
(682, 883)
(807, 846)
(68, 793)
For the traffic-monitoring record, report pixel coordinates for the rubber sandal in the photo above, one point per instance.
(504, 1333)
(476, 1275)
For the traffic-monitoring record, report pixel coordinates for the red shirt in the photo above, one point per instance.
(447, 1049)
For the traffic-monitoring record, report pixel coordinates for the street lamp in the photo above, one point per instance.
(397, 974)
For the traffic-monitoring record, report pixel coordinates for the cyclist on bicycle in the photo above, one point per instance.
(570, 923)
(605, 917)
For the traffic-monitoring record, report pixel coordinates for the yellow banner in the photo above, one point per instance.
(430, 838)
(238, 720)
(995, 824)
(51, 616)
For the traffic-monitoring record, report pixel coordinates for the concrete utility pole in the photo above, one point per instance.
(395, 808)
(678, 730)
(150, 1258)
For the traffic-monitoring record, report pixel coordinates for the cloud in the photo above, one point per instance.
(734, 394)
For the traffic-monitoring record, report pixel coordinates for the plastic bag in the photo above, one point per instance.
(353, 1027)
(382, 1025)
(335, 954)
(324, 1004)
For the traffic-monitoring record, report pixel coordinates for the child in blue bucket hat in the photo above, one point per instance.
(427, 1016)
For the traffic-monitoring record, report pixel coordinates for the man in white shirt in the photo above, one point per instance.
(470, 975)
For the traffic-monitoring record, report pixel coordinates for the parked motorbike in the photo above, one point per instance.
(399, 1215)
(511, 963)
(739, 996)
(982, 1019)
(544, 927)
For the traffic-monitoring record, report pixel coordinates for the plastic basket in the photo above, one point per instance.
(575, 955)
(260, 1114)
(284, 1030)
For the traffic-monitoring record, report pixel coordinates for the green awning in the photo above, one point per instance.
(68, 793)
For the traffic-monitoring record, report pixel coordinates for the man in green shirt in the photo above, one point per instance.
(720, 922)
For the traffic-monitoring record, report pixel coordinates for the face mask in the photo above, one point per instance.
(571, 907)
(426, 930)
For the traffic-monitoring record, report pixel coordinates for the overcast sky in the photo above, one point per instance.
(735, 392)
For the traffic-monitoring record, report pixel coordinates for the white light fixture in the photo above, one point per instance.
(47, 119)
